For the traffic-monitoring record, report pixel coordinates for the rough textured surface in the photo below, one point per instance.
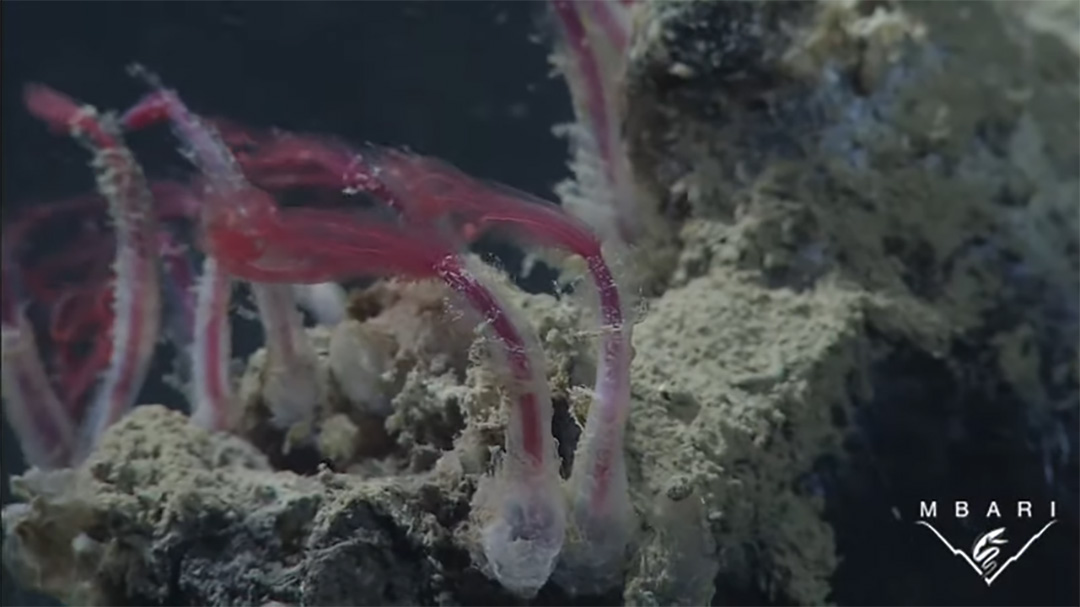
(879, 247)
(874, 301)
(168, 513)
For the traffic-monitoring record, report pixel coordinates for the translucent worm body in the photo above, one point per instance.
(524, 534)
(40, 420)
(136, 286)
(212, 396)
(591, 53)
(291, 388)
(432, 193)
(286, 253)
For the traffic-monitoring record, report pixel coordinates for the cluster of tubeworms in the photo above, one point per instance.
(135, 282)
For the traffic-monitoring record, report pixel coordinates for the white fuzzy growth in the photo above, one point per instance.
(291, 387)
(202, 144)
(359, 360)
(589, 196)
(326, 301)
(489, 279)
(137, 284)
(604, 194)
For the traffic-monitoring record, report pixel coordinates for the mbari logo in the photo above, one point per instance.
(983, 557)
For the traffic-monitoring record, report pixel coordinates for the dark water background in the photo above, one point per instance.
(468, 82)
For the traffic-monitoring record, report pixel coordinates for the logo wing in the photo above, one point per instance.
(1019, 553)
(957, 552)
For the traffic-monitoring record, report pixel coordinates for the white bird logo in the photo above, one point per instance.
(985, 550)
